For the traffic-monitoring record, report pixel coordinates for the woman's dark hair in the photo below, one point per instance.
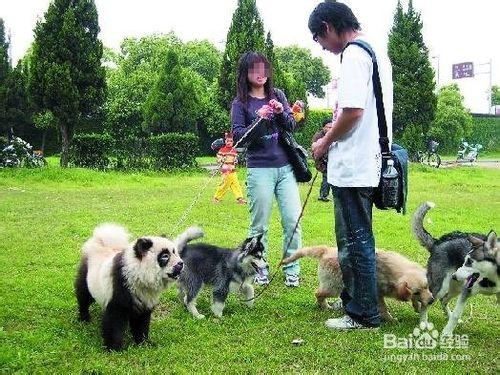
(339, 15)
(246, 62)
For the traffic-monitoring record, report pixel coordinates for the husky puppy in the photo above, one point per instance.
(126, 279)
(447, 255)
(224, 269)
(480, 273)
(397, 277)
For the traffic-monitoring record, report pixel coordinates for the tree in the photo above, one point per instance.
(173, 104)
(246, 33)
(67, 78)
(413, 77)
(304, 68)
(453, 121)
(495, 95)
(5, 69)
(203, 58)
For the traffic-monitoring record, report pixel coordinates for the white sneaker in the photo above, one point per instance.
(337, 305)
(346, 322)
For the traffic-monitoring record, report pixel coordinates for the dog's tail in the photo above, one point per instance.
(313, 252)
(192, 233)
(107, 235)
(425, 239)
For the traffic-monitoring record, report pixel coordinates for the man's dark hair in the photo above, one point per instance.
(338, 15)
(327, 120)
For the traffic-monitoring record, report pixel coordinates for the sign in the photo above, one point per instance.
(463, 70)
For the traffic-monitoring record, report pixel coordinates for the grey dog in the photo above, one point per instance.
(224, 269)
(447, 255)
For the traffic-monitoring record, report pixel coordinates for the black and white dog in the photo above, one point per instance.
(447, 255)
(126, 279)
(224, 269)
(480, 273)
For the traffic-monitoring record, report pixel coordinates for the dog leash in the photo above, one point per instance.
(212, 175)
(287, 246)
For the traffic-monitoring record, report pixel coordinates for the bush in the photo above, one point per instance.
(486, 131)
(3, 142)
(174, 150)
(133, 153)
(91, 150)
(312, 124)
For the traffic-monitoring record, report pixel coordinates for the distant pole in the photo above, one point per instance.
(491, 87)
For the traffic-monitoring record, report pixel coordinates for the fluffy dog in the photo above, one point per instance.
(224, 269)
(480, 274)
(397, 277)
(126, 279)
(447, 255)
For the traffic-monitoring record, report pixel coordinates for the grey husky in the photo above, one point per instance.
(447, 255)
(224, 269)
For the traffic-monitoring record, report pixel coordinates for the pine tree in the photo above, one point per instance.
(173, 104)
(5, 70)
(67, 79)
(246, 33)
(413, 77)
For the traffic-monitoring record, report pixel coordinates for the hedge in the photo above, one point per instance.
(91, 150)
(312, 124)
(486, 131)
(174, 150)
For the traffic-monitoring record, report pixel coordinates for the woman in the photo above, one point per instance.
(269, 173)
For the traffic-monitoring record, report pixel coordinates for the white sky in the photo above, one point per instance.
(455, 30)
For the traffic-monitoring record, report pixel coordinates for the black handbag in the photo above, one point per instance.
(385, 196)
(297, 156)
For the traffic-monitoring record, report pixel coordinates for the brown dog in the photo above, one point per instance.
(397, 277)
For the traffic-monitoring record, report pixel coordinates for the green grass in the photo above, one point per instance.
(46, 215)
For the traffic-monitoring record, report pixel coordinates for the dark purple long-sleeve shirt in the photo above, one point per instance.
(264, 149)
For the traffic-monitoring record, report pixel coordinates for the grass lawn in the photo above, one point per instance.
(46, 215)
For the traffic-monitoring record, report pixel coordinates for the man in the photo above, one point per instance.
(354, 159)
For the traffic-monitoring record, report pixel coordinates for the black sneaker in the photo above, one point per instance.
(323, 199)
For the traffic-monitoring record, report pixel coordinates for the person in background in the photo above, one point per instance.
(269, 173)
(321, 164)
(227, 157)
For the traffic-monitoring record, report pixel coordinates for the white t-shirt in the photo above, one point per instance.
(355, 159)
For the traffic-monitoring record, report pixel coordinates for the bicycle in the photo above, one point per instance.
(429, 157)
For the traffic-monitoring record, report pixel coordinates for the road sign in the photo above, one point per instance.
(463, 70)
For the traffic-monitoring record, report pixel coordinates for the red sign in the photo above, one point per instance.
(463, 70)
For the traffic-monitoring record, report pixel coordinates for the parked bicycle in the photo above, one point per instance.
(468, 152)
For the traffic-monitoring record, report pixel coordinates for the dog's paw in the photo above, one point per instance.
(199, 316)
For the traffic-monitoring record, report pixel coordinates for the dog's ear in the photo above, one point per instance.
(403, 292)
(141, 247)
(491, 241)
(476, 241)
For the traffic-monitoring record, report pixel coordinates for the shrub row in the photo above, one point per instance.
(167, 151)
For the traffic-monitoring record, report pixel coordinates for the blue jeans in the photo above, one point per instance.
(325, 187)
(356, 244)
(262, 185)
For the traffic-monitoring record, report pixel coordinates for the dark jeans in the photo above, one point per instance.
(324, 188)
(356, 244)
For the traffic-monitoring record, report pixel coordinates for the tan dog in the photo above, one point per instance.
(397, 277)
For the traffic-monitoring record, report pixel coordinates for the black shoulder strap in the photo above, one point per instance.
(377, 89)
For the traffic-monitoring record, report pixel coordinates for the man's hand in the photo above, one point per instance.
(319, 149)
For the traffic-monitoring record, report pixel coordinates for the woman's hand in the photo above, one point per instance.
(265, 111)
(276, 106)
